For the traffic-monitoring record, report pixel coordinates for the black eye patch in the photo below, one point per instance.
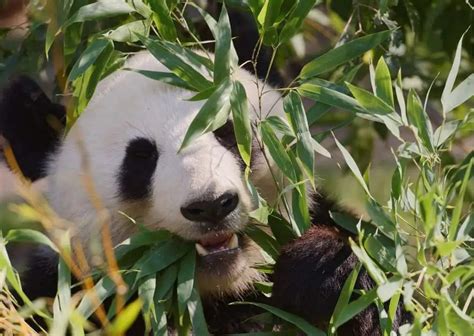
(137, 169)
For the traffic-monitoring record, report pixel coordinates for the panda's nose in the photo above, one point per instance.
(211, 210)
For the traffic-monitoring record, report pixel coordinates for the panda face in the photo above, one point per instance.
(126, 143)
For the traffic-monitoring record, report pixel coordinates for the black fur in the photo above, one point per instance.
(31, 124)
(138, 166)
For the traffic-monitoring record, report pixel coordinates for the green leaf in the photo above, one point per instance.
(418, 118)
(387, 290)
(352, 166)
(183, 63)
(212, 115)
(125, 318)
(297, 321)
(300, 210)
(460, 94)
(269, 13)
(383, 83)
(196, 312)
(453, 73)
(355, 307)
(146, 291)
(88, 57)
(185, 280)
(344, 296)
(401, 99)
(380, 218)
(384, 254)
(280, 125)
(295, 18)
(225, 55)
(141, 239)
(162, 256)
(277, 151)
(129, 32)
(445, 131)
(62, 302)
(369, 102)
(163, 19)
(281, 229)
(30, 236)
(456, 216)
(375, 272)
(100, 10)
(343, 54)
(294, 110)
(165, 77)
(164, 282)
(331, 97)
(264, 240)
(241, 119)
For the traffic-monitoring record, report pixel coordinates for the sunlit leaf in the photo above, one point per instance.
(418, 118)
(88, 57)
(277, 151)
(101, 9)
(185, 280)
(212, 115)
(225, 55)
(241, 119)
(453, 73)
(383, 82)
(294, 110)
(343, 54)
(163, 19)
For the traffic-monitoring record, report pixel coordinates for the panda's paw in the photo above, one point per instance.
(310, 274)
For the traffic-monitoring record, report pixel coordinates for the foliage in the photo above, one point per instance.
(417, 247)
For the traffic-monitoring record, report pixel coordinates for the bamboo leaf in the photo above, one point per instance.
(163, 19)
(241, 119)
(383, 83)
(212, 115)
(453, 73)
(343, 54)
(418, 118)
(180, 61)
(88, 57)
(225, 55)
(277, 151)
(185, 280)
(99, 10)
(294, 110)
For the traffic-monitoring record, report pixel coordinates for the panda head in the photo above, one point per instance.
(122, 153)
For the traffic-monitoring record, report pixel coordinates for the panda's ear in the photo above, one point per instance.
(31, 124)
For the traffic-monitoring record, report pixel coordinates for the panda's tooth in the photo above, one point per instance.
(201, 250)
(233, 242)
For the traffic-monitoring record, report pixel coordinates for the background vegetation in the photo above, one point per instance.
(352, 77)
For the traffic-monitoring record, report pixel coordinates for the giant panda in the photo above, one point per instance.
(126, 142)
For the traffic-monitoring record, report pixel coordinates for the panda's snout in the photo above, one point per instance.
(211, 210)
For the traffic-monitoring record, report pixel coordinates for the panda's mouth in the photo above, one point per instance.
(217, 243)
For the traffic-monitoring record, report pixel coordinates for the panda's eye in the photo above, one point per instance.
(142, 149)
(225, 135)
